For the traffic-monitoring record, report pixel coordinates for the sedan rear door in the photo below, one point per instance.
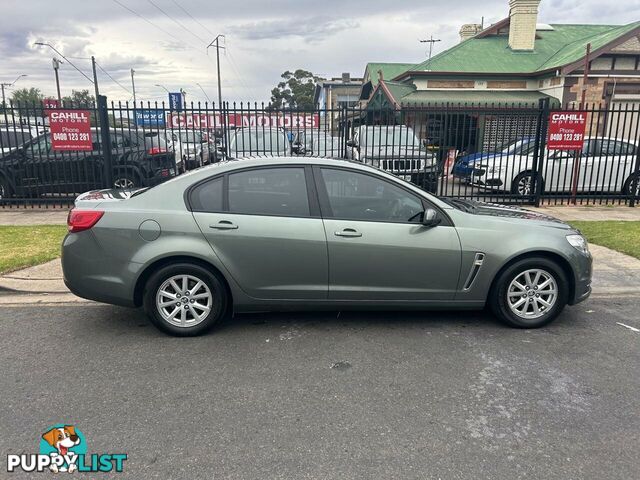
(264, 225)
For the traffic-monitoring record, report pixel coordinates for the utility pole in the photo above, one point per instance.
(133, 86)
(216, 43)
(430, 41)
(95, 78)
(56, 66)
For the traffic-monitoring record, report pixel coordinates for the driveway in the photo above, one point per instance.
(331, 395)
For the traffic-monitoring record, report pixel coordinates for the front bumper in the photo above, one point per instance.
(583, 270)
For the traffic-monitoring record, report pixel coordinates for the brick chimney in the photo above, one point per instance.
(523, 17)
(469, 30)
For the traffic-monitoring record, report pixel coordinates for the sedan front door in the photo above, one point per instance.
(378, 248)
(267, 231)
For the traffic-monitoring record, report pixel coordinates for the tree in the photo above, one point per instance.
(28, 101)
(79, 98)
(296, 90)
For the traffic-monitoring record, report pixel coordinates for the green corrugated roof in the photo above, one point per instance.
(389, 70)
(471, 97)
(400, 90)
(554, 48)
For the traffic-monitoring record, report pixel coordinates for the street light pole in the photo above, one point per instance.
(216, 41)
(4, 101)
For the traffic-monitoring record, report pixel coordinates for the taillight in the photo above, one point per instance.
(79, 220)
(156, 150)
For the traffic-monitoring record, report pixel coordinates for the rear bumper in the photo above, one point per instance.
(89, 272)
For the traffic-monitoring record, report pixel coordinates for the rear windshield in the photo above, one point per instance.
(13, 138)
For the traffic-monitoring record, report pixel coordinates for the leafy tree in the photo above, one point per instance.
(296, 90)
(79, 98)
(27, 101)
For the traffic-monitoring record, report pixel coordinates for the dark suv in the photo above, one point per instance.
(139, 159)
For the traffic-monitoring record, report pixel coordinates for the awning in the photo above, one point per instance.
(474, 97)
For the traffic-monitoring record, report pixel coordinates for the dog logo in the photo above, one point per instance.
(63, 449)
(62, 439)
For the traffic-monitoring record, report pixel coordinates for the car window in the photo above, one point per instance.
(119, 141)
(269, 191)
(616, 147)
(40, 146)
(207, 197)
(590, 147)
(357, 196)
(13, 138)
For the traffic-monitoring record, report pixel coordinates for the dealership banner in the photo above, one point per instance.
(238, 120)
(566, 130)
(70, 130)
(149, 118)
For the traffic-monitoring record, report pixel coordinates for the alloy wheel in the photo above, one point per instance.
(123, 182)
(524, 185)
(532, 294)
(184, 300)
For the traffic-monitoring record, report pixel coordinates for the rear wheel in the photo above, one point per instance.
(530, 293)
(185, 299)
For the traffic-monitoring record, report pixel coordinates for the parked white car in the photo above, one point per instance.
(605, 165)
(190, 146)
(315, 143)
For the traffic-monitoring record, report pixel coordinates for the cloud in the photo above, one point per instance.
(311, 29)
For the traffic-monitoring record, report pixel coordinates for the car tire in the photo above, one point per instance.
(626, 190)
(196, 309)
(522, 304)
(522, 182)
(125, 180)
(5, 189)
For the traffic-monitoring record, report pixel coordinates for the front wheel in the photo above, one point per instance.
(523, 185)
(530, 293)
(629, 188)
(185, 299)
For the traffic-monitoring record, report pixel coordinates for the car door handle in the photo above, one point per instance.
(348, 232)
(224, 225)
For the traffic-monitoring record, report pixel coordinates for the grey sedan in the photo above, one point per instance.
(308, 233)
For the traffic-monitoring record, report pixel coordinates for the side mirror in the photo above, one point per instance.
(351, 143)
(430, 218)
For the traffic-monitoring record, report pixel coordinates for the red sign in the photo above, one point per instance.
(211, 120)
(566, 130)
(70, 130)
(50, 103)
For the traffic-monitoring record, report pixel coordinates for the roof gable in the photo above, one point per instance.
(563, 45)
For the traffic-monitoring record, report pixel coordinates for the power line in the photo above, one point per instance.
(113, 79)
(166, 32)
(192, 17)
(177, 22)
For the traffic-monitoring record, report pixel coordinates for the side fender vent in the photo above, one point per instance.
(473, 273)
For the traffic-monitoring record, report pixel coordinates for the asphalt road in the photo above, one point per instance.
(328, 396)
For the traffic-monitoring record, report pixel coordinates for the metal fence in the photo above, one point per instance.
(495, 153)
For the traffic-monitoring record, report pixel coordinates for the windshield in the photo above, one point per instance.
(389, 136)
(13, 138)
(514, 146)
(258, 141)
(189, 136)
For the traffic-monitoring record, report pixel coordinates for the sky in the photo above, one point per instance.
(165, 40)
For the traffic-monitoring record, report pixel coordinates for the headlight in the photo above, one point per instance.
(579, 243)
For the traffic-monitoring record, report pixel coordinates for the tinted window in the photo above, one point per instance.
(14, 138)
(357, 196)
(207, 197)
(616, 147)
(269, 191)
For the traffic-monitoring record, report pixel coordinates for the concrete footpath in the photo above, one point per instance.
(58, 216)
(615, 275)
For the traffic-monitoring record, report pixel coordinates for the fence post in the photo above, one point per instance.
(105, 141)
(539, 148)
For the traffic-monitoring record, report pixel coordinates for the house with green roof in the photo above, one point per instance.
(518, 60)
(514, 62)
